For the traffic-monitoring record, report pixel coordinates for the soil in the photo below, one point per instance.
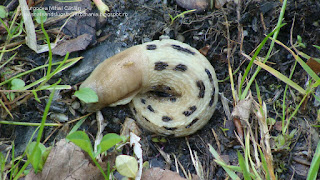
(219, 28)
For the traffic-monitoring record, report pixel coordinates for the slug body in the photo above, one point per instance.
(172, 87)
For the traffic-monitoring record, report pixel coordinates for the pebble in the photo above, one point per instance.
(75, 105)
(59, 117)
(199, 5)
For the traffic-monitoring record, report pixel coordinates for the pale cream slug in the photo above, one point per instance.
(171, 87)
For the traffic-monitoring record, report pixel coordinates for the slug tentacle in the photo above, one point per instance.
(173, 88)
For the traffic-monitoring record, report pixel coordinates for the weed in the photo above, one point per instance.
(180, 15)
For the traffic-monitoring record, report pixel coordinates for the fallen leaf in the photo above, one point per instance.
(160, 174)
(241, 112)
(127, 166)
(76, 44)
(204, 50)
(243, 108)
(67, 161)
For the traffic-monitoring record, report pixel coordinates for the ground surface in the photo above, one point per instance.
(148, 20)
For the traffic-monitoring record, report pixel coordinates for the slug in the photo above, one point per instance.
(171, 87)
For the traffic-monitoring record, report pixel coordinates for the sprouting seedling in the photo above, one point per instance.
(300, 43)
(82, 140)
(180, 15)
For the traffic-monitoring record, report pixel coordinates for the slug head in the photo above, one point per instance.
(117, 79)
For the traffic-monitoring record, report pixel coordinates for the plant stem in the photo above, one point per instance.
(49, 46)
(28, 123)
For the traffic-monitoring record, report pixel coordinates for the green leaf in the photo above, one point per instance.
(108, 141)
(3, 12)
(36, 158)
(82, 140)
(17, 84)
(11, 96)
(127, 166)
(40, 15)
(36, 96)
(299, 39)
(46, 153)
(87, 95)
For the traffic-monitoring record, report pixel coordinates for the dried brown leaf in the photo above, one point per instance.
(77, 44)
(67, 161)
(243, 108)
(204, 50)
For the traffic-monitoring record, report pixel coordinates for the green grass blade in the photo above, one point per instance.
(219, 161)
(284, 107)
(242, 165)
(314, 168)
(281, 77)
(318, 47)
(264, 164)
(77, 126)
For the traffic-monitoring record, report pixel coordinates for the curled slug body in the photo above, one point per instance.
(172, 87)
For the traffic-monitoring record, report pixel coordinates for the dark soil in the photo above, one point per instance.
(148, 20)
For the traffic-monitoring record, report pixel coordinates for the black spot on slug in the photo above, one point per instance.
(209, 75)
(150, 108)
(161, 88)
(143, 101)
(192, 123)
(202, 88)
(173, 99)
(212, 99)
(166, 118)
(162, 91)
(170, 129)
(160, 94)
(134, 110)
(159, 66)
(181, 67)
(191, 110)
(145, 118)
(179, 48)
(151, 47)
